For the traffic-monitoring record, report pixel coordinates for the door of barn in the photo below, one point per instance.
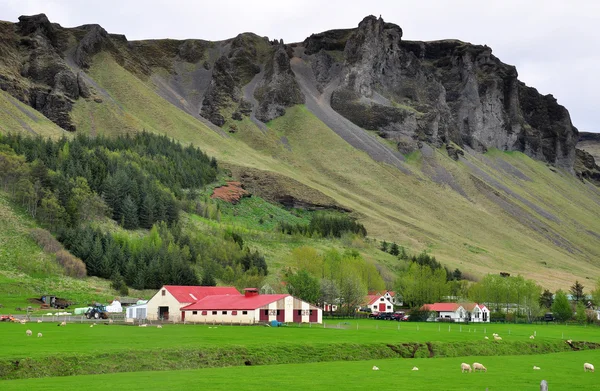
(264, 315)
(281, 315)
(297, 316)
(183, 316)
(381, 307)
(313, 316)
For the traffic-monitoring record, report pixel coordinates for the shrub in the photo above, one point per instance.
(419, 315)
(73, 266)
(46, 241)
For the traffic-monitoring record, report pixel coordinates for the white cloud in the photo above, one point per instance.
(553, 43)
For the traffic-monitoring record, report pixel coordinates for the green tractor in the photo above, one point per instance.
(97, 312)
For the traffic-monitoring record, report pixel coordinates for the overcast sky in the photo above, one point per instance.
(555, 44)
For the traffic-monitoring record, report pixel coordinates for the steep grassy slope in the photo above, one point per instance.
(485, 213)
(27, 272)
(19, 118)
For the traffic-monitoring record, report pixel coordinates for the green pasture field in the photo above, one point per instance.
(562, 371)
(81, 339)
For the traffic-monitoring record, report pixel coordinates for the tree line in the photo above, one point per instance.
(135, 180)
(325, 225)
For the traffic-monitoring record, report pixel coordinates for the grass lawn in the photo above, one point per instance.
(81, 339)
(563, 371)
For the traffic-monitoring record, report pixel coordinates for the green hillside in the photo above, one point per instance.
(499, 211)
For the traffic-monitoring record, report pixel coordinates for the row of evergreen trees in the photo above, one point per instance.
(325, 225)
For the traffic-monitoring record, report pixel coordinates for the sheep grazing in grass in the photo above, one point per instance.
(92, 325)
(375, 368)
(531, 337)
(464, 367)
(29, 333)
(497, 338)
(494, 334)
(588, 367)
(569, 342)
(110, 321)
(62, 324)
(479, 367)
(39, 321)
(415, 369)
(159, 326)
(39, 335)
(536, 368)
(23, 321)
(485, 337)
(143, 325)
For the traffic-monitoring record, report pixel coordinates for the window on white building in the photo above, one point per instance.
(214, 312)
(224, 312)
(194, 312)
(244, 312)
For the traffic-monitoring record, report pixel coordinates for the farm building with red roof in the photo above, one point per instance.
(378, 303)
(166, 303)
(202, 304)
(458, 312)
(252, 307)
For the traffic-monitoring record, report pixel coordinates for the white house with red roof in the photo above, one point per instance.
(463, 312)
(378, 303)
(251, 308)
(167, 302)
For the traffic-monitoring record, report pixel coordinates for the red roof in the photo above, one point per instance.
(239, 302)
(191, 294)
(446, 307)
(392, 293)
(370, 299)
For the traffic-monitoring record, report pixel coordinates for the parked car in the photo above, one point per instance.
(384, 316)
(549, 317)
(405, 318)
(373, 314)
(398, 315)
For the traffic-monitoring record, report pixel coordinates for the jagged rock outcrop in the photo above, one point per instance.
(279, 88)
(222, 90)
(586, 167)
(54, 87)
(447, 91)
(92, 43)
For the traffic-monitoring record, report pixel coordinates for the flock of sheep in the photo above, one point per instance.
(464, 367)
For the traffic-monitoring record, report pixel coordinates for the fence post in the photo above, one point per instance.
(544, 385)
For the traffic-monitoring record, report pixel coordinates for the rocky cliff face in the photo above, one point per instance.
(441, 93)
(446, 91)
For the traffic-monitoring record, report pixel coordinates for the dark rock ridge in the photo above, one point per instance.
(586, 167)
(446, 91)
(279, 88)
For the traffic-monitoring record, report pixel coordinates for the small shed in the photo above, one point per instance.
(139, 311)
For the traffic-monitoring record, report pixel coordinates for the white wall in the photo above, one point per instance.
(168, 300)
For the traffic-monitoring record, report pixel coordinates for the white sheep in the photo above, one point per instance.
(29, 333)
(464, 367)
(375, 368)
(63, 324)
(536, 368)
(92, 325)
(39, 321)
(497, 338)
(494, 334)
(159, 326)
(588, 367)
(531, 337)
(23, 321)
(479, 367)
(110, 321)
(143, 325)
(415, 369)
(39, 335)
(485, 337)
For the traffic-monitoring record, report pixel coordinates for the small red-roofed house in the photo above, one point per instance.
(463, 312)
(378, 303)
(166, 303)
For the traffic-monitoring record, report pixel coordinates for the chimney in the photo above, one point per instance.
(250, 292)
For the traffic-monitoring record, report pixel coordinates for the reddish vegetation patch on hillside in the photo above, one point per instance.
(231, 192)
